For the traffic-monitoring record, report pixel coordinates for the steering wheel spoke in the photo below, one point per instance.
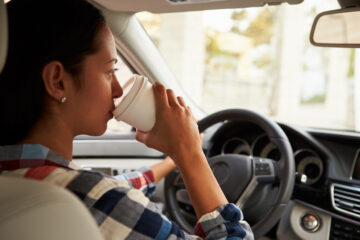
(264, 170)
(179, 186)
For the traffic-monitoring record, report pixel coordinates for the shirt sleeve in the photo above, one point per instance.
(126, 213)
(227, 221)
(142, 179)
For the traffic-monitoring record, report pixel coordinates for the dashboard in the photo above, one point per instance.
(325, 206)
(330, 163)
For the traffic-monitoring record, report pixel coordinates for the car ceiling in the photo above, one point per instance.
(167, 6)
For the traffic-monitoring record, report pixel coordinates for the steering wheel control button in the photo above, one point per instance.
(262, 169)
(310, 222)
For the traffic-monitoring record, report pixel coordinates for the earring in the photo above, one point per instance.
(63, 99)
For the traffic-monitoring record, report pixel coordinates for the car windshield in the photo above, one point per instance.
(261, 59)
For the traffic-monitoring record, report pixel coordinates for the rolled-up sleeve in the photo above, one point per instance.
(142, 179)
(225, 222)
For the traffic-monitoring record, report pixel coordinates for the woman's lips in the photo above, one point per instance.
(111, 112)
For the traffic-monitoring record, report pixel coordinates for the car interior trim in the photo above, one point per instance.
(123, 164)
(298, 211)
(330, 213)
(346, 203)
(3, 35)
(164, 6)
(328, 132)
(113, 148)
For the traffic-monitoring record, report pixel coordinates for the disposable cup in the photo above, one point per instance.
(137, 105)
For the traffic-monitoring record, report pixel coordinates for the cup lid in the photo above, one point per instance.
(130, 90)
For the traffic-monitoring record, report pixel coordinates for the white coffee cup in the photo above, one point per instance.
(137, 105)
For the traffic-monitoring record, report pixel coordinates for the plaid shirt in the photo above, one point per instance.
(119, 206)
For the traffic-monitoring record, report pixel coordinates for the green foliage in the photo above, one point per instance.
(319, 98)
(264, 61)
(260, 30)
(351, 70)
(239, 15)
(235, 29)
(212, 46)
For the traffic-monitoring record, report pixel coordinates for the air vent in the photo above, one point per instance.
(346, 199)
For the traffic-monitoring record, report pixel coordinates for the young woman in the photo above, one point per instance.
(59, 82)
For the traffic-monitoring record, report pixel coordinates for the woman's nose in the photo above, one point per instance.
(116, 89)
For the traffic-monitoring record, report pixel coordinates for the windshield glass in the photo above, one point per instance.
(261, 59)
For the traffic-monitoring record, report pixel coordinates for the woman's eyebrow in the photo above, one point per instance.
(113, 60)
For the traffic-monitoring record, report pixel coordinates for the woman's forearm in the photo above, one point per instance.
(203, 188)
(163, 168)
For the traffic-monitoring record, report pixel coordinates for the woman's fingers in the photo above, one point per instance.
(168, 96)
(183, 104)
(140, 136)
(161, 98)
(181, 101)
(172, 98)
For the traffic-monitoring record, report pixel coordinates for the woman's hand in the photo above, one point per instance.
(175, 132)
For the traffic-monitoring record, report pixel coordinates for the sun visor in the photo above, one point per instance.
(168, 6)
(3, 34)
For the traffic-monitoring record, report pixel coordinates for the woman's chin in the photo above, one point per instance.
(98, 131)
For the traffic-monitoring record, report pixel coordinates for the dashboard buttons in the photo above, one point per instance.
(344, 230)
(310, 222)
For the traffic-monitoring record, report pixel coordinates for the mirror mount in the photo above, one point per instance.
(349, 3)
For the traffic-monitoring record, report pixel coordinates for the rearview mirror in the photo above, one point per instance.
(338, 28)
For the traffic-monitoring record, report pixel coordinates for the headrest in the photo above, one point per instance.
(36, 210)
(3, 34)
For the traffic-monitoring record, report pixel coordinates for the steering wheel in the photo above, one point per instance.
(241, 176)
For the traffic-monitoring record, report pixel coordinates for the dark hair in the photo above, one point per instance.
(39, 32)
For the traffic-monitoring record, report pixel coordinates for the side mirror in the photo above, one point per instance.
(337, 28)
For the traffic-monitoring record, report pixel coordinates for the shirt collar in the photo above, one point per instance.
(31, 155)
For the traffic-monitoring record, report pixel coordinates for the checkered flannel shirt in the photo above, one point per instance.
(118, 204)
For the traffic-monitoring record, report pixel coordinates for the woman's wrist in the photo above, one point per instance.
(205, 193)
(187, 155)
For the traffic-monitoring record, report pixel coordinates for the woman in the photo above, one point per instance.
(59, 82)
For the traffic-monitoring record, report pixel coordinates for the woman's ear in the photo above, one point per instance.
(53, 74)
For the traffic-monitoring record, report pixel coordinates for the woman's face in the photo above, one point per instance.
(91, 106)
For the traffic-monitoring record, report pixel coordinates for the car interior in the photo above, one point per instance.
(291, 178)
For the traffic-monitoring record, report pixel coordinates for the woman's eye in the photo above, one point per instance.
(112, 71)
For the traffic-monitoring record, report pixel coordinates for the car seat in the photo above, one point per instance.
(31, 209)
